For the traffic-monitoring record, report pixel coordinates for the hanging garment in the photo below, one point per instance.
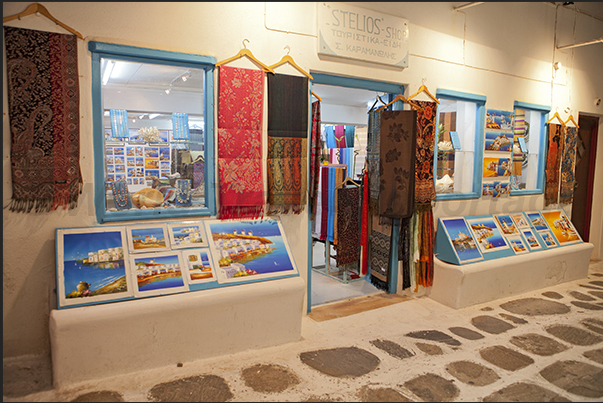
(426, 240)
(348, 227)
(381, 235)
(240, 100)
(397, 163)
(372, 159)
(43, 107)
(324, 186)
(340, 136)
(404, 251)
(553, 160)
(330, 136)
(426, 119)
(315, 152)
(337, 175)
(287, 143)
(364, 225)
(568, 163)
(350, 131)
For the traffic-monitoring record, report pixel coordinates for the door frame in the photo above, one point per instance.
(591, 173)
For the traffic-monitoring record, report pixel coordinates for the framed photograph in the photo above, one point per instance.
(520, 220)
(562, 228)
(158, 274)
(147, 238)
(198, 266)
(487, 234)
(531, 239)
(507, 225)
(490, 167)
(504, 167)
(92, 266)
(499, 120)
(187, 235)
(487, 189)
(462, 239)
(548, 239)
(517, 245)
(497, 141)
(249, 250)
(537, 221)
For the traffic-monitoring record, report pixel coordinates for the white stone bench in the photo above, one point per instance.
(459, 286)
(99, 341)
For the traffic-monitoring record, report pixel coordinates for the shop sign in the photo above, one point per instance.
(356, 33)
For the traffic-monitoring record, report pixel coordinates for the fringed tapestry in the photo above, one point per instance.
(315, 152)
(568, 163)
(397, 163)
(372, 159)
(240, 108)
(364, 225)
(426, 240)
(43, 106)
(287, 143)
(404, 251)
(426, 119)
(348, 228)
(381, 235)
(553, 160)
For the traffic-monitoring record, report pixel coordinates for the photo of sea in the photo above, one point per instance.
(487, 234)
(93, 264)
(158, 272)
(184, 235)
(462, 240)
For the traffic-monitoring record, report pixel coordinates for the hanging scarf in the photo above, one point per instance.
(287, 143)
(350, 132)
(324, 186)
(568, 162)
(553, 160)
(404, 251)
(340, 137)
(379, 253)
(426, 240)
(240, 99)
(315, 152)
(43, 99)
(424, 185)
(348, 228)
(397, 163)
(372, 159)
(364, 225)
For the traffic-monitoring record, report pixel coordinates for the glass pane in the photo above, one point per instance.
(154, 135)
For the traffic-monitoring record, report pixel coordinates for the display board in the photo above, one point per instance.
(463, 240)
(113, 263)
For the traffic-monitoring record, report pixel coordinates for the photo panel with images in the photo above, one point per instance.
(531, 239)
(92, 266)
(158, 273)
(499, 120)
(507, 225)
(148, 238)
(562, 228)
(187, 235)
(198, 266)
(463, 242)
(488, 235)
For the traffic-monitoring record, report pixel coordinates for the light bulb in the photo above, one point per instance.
(184, 78)
(168, 90)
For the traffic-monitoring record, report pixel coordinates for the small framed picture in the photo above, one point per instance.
(520, 220)
(198, 265)
(518, 245)
(562, 228)
(537, 221)
(147, 238)
(158, 274)
(187, 235)
(548, 239)
(531, 239)
(507, 225)
(461, 237)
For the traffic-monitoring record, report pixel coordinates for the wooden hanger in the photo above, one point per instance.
(424, 89)
(556, 115)
(289, 59)
(400, 97)
(377, 99)
(350, 181)
(38, 8)
(317, 97)
(247, 53)
(571, 119)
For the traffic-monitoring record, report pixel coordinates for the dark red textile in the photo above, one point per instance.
(426, 119)
(553, 162)
(348, 225)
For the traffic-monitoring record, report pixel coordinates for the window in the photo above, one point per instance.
(153, 130)
(529, 146)
(459, 145)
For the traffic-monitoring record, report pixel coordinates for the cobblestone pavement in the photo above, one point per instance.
(545, 345)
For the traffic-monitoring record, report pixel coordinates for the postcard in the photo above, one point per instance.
(92, 266)
(499, 120)
(462, 239)
(548, 239)
(147, 238)
(507, 225)
(504, 167)
(487, 234)
(158, 274)
(198, 266)
(490, 167)
(497, 141)
(488, 189)
(151, 152)
(520, 220)
(496, 193)
(148, 173)
(537, 221)
(531, 239)
(517, 245)
(562, 228)
(249, 249)
(187, 235)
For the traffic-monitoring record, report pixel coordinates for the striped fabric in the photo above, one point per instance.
(119, 123)
(180, 126)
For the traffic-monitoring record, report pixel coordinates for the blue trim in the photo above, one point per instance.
(525, 192)
(461, 96)
(535, 107)
(130, 53)
(310, 252)
(455, 196)
(478, 152)
(349, 82)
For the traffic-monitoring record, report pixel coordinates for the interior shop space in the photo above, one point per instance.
(236, 166)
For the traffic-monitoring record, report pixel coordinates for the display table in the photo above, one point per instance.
(459, 286)
(99, 341)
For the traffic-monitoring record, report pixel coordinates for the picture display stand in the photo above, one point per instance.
(465, 240)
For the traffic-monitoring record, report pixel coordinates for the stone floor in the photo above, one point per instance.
(546, 345)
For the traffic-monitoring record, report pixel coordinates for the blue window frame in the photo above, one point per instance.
(188, 136)
(459, 145)
(528, 155)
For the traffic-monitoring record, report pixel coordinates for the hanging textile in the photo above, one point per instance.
(426, 119)
(119, 123)
(315, 152)
(287, 143)
(330, 136)
(337, 175)
(319, 224)
(553, 160)
(348, 227)
(364, 225)
(372, 159)
(397, 163)
(519, 131)
(180, 126)
(240, 100)
(350, 131)
(426, 240)
(414, 250)
(568, 163)
(340, 136)
(381, 235)
(404, 251)
(43, 106)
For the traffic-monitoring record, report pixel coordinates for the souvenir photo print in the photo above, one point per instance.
(548, 239)
(158, 274)
(537, 221)
(462, 239)
(487, 234)
(198, 266)
(531, 239)
(517, 245)
(520, 220)
(497, 141)
(507, 225)
(562, 228)
(92, 266)
(187, 235)
(147, 238)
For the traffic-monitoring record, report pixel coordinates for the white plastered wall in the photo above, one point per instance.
(502, 50)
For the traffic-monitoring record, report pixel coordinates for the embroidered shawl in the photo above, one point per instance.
(240, 100)
(379, 253)
(553, 159)
(568, 163)
(372, 159)
(43, 107)
(426, 240)
(287, 143)
(364, 235)
(348, 227)
(315, 153)
(424, 185)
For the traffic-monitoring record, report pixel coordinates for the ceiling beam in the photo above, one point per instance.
(581, 44)
(464, 6)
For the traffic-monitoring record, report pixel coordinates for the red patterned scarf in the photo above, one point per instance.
(287, 143)
(424, 186)
(43, 98)
(240, 98)
(553, 161)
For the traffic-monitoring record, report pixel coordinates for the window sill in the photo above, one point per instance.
(454, 196)
(148, 214)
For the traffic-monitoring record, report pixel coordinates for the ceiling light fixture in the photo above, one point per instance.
(168, 90)
(153, 115)
(108, 70)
